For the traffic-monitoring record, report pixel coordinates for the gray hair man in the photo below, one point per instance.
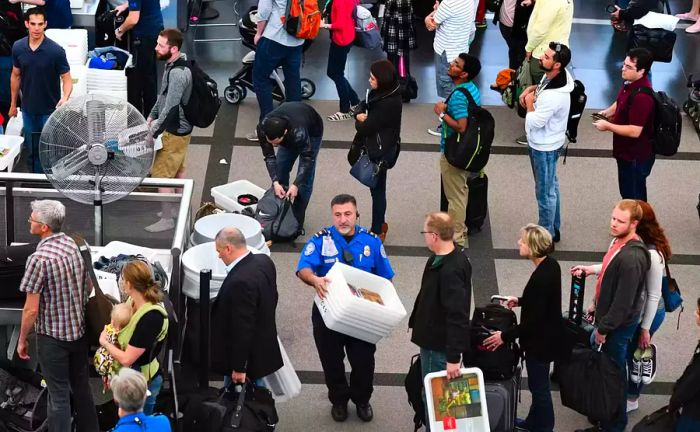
(57, 292)
(130, 389)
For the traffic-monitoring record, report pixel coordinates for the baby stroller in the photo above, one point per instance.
(692, 104)
(242, 81)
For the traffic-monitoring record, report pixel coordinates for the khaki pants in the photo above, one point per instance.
(454, 183)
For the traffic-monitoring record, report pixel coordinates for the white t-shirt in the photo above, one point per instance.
(455, 20)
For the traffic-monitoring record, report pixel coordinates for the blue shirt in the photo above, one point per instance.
(141, 422)
(150, 19)
(58, 14)
(41, 72)
(273, 11)
(326, 248)
(458, 108)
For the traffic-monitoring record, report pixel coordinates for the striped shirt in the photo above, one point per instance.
(56, 272)
(455, 20)
(458, 108)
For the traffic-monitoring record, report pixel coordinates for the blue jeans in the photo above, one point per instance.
(154, 387)
(285, 162)
(540, 418)
(337, 57)
(687, 424)
(269, 56)
(431, 361)
(634, 390)
(544, 168)
(632, 178)
(33, 124)
(443, 82)
(616, 346)
(379, 203)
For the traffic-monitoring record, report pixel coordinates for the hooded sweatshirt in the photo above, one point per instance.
(550, 22)
(546, 125)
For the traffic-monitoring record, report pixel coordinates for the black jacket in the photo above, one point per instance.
(244, 332)
(540, 330)
(440, 317)
(638, 8)
(622, 291)
(305, 123)
(381, 131)
(686, 392)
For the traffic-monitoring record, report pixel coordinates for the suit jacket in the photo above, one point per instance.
(244, 332)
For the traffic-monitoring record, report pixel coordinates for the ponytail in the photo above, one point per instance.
(153, 293)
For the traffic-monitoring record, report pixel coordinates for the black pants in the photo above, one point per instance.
(379, 203)
(65, 368)
(394, 59)
(142, 81)
(516, 47)
(332, 347)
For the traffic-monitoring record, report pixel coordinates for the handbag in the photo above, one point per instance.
(99, 306)
(355, 150)
(661, 420)
(365, 170)
(251, 408)
(658, 41)
(670, 292)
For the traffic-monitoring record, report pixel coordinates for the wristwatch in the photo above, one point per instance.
(119, 30)
(442, 115)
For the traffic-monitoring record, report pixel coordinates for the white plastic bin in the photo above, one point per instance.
(284, 383)
(206, 228)
(73, 41)
(107, 80)
(226, 196)
(342, 325)
(14, 145)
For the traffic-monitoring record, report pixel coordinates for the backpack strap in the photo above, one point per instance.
(470, 105)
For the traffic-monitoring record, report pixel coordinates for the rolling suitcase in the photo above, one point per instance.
(13, 260)
(477, 203)
(502, 402)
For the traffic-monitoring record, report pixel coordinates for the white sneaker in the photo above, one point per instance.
(632, 405)
(636, 369)
(161, 225)
(649, 365)
(437, 131)
(253, 136)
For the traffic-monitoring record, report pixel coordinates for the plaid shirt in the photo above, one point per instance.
(56, 272)
(397, 27)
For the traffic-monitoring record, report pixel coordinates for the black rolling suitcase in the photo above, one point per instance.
(502, 402)
(477, 203)
(13, 260)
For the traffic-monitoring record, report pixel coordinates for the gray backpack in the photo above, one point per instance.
(277, 218)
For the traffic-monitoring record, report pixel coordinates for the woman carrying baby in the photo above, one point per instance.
(140, 341)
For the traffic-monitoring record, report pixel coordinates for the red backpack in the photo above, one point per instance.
(302, 18)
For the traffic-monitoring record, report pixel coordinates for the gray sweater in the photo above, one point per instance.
(168, 113)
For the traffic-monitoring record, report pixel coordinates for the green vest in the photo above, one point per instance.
(149, 370)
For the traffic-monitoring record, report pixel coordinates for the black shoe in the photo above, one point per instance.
(557, 236)
(339, 412)
(590, 429)
(365, 413)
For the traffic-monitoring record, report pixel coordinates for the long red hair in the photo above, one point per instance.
(651, 232)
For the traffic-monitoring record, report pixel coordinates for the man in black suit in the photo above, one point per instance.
(244, 333)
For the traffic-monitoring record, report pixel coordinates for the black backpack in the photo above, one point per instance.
(470, 151)
(204, 101)
(502, 363)
(11, 26)
(414, 391)
(667, 122)
(578, 104)
(277, 218)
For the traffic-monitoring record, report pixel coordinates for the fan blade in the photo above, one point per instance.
(134, 141)
(70, 163)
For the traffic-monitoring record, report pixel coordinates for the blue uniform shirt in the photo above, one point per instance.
(326, 248)
(150, 18)
(141, 422)
(58, 14)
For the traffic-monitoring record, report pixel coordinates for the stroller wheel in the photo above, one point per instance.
(234, 94)
(308, 88)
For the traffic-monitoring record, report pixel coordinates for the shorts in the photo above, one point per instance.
(171, 158)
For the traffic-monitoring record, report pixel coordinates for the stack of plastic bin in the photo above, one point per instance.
(108, 82)
(75, 43)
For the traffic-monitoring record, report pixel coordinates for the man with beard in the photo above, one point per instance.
(351, 244)
(547, 105)
(168, 117)
(619, 294)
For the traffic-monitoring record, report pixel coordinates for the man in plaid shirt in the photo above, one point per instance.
(57, 288)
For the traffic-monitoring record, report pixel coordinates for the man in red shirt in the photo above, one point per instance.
(632, 125)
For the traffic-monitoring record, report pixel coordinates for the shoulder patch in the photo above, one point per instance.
(309, 249)
(382, 251)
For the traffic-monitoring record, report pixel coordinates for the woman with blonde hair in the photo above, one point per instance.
(140, 341)
(540, 330)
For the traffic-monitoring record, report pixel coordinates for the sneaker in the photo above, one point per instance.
(437, 131)
(253, 136)
(161, 225)
(339, 116)
(636, 369)
(632, 405)
(522, 140)
(557, 236)
(590, 429)
(649, 364)
(481, 24)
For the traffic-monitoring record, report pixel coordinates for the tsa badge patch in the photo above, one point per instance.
(309, 249)
(382, 251)
(367, 251)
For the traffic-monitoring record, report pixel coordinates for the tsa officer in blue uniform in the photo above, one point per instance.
(354, 245)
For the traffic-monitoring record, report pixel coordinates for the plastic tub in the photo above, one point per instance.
(226, 196)
(14, 145)
(343, 325)
(206, 228)
(284, 383)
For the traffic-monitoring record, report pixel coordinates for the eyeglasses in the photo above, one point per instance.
(30, 220)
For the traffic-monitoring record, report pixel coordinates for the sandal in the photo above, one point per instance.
(339, 116)
(687, 16)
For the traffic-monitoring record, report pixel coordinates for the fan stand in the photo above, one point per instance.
(97, 202)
